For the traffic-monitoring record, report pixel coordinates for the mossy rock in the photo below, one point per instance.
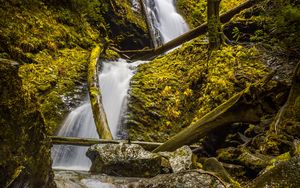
(22, 125)
(284, 174)
(175, 90)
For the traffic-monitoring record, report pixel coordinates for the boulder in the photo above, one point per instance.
(128, 160)
(183, 179)
(24, 147)
(181, 159)
(285, 174)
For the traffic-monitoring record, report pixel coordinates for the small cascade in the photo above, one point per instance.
(114, 82)
(79, 123)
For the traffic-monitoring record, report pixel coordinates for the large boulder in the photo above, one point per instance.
(285, 174)
(183, 179)
(24, 147)
(129, 160)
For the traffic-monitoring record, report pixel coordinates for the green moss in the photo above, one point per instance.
(195, 11)
(125, 9)
(281, 158)
(175, 90)
(22, 126)
(53, 78)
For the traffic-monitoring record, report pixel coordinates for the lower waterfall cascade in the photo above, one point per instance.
(114, 82)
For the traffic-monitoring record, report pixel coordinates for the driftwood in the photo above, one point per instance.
(90, 141)
(200, 30)
(95, 96)
(242, 107)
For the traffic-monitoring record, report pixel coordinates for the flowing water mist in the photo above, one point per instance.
(114, 84)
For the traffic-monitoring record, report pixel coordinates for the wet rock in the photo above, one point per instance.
(129, 160)
(213, 165)
(285, 174)
(242, 156)
(181, 159)
(183, 179)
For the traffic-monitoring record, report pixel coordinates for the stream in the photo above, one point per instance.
(114, 82)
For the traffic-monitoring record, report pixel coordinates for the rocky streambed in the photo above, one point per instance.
(129, 165)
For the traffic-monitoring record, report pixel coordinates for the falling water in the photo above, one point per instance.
(79, 123)
(114, 84)
(166, 20)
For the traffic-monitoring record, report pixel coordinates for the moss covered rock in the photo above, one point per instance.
(24, 147)
(172, 91)
(285, 174)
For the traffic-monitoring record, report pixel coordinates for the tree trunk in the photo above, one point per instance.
(95, 97)
(214, 24)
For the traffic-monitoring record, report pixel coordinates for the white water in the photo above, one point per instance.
(171, 24)
(114, 84)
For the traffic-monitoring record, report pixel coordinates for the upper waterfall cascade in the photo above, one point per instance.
(114, 84)
(165, 23)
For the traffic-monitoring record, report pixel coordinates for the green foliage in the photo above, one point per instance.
(276, 24)
(236, 33)
(285, 26)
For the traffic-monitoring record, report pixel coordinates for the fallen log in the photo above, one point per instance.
(243, 107)
(91, 141)
(202, 29)
(95, 96)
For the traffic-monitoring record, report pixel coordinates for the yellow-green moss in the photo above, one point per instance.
(172, 91)
(195, 11)
(54, 77)
(124, 8)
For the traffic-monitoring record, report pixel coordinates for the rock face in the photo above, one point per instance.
(181, 159)
(24, 147)
(129, 160)
(192, 179)
(285, 174)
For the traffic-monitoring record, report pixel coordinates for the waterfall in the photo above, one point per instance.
(79, 123)
(114, 82)
(165, 20)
